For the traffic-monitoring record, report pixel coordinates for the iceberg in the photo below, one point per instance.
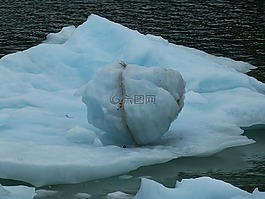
(199, 188)
(44, 134)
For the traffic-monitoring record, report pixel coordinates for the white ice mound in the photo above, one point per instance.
(198, 188)
(80, 135)
(134, 101)
(60, 37)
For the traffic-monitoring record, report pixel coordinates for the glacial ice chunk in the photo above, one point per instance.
(133, 101)
(44, 132)
(198, 188)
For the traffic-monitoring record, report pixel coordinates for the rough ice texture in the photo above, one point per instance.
(42, 123)
(134, 102)
(199, 188)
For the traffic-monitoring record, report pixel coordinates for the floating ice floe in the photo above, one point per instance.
(16, 192)
(44, 133)
(199, 188)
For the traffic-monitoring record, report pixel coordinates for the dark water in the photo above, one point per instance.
(234, 29)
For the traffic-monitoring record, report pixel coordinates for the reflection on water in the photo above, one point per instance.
(227, 28)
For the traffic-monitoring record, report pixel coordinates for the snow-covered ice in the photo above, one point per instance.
(198, 188)
(16, 192)
(121, 98)
(44, 134)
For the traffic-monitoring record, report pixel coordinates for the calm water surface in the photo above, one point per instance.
(234, 29)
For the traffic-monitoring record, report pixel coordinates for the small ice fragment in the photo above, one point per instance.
(46, 193)
(203, 187)
(125, 177)
(16, 192)
(119, 195)
(83, 195)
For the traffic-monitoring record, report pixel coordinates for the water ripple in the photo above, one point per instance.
(227, 28)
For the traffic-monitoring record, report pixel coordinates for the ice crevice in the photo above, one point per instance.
(121, 104)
